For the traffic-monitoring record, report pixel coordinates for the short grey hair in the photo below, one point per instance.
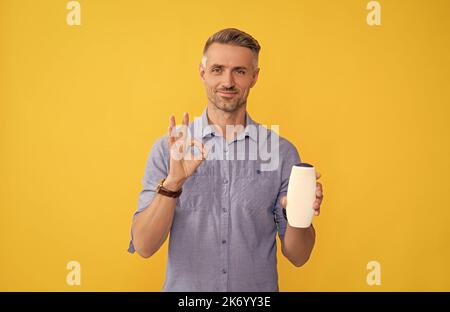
(235, 37)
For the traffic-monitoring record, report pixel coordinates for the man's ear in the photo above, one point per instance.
(201, 70)
(255, 77)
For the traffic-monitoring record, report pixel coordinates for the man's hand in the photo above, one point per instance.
(182, 163)
(318, 200)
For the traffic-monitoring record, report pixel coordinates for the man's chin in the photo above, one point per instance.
(227, 106)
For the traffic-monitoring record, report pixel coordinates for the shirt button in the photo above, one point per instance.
(224, 271)
(224, 241)
(225, 181)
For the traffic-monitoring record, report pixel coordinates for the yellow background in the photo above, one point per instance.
(80, 107)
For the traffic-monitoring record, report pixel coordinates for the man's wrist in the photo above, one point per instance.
(172, 184)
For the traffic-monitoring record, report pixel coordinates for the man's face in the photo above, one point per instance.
(228, 76)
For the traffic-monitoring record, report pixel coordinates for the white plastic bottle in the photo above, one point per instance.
(301, 195)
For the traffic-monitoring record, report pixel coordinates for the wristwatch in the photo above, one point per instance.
(160, 189)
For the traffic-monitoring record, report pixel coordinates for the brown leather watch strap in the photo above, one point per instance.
(160, 189)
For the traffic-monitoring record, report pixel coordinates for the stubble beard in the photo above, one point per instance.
(228, 106)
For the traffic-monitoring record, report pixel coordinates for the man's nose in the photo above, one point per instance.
(228, 80)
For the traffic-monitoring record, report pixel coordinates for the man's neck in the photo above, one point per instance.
(221, 119)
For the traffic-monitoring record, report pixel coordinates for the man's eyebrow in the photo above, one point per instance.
(234, 68)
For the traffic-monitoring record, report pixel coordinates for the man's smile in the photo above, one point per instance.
(227, 94)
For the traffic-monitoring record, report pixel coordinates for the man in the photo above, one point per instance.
(222, 211)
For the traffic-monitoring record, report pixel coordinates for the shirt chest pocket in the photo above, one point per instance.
(196, 190)
(256, 189)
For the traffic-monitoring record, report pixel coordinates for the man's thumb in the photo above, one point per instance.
(283, 201)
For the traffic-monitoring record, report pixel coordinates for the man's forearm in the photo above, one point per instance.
(152, 226)
(298, 244)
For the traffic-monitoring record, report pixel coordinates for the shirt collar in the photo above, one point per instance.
(249, 131)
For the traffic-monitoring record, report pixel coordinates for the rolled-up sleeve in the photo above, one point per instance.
(156, 169)
(290, 158)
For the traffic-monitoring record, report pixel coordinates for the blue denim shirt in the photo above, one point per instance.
(223, 235)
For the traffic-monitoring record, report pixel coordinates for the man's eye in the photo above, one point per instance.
(216, 70)
(241, 72)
